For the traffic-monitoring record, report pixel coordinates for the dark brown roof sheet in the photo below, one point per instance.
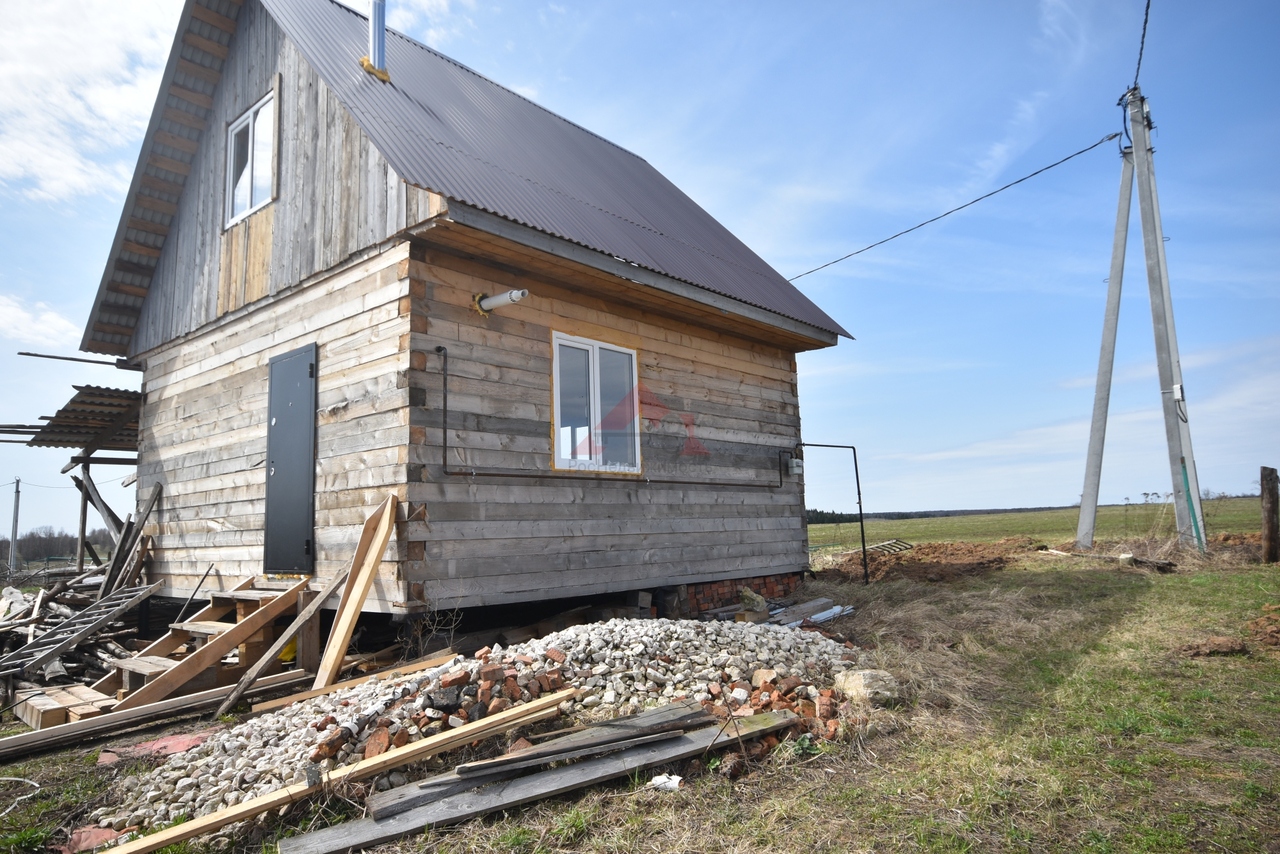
(445, 128)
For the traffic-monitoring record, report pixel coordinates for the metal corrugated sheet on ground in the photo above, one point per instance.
(446, 128)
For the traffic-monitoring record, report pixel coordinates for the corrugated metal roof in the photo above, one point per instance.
(445, 128)
(104, 417)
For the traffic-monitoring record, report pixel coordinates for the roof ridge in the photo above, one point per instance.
(415, 43)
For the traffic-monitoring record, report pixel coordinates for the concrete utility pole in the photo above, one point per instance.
(1186, 486)
(13, 538)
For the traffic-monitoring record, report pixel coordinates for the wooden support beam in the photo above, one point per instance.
(109, 517)
(182, 117)
(133, 268)
(207, 45)
(81, 459)
(159, 161)
(113, 329)
(364, 567)
(154, 204)
(140, 249)
(200, 72)
(191, 97)
(212, 18)
(212, 651)
(128, 290)
(148, 226)
(181, 143)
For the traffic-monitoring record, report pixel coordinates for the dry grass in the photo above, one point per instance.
(1047, 710)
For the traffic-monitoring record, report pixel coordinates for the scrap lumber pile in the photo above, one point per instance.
(716, 684)
(66, 641)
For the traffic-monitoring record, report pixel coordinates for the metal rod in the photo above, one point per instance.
(1106, 361)
(555, 475)
(857, 480)
(68, 359)
(192, 597)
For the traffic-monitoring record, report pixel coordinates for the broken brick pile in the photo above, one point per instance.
(620, 667)
(720, 594)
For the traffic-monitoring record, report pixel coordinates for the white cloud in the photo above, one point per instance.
(37, 324)
(433, 22)
(74, 100)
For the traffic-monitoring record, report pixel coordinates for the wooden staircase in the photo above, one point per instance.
(188, 657)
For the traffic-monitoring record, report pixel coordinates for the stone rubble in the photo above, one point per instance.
(621, 666)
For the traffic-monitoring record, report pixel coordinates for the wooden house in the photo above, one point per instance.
(298, 272)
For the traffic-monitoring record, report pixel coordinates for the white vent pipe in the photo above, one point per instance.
(499, 300)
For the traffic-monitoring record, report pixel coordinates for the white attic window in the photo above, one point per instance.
(251, 142)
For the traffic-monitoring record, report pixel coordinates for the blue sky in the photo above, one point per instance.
(810, 130)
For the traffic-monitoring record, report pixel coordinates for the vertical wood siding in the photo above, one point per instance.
(336, 194)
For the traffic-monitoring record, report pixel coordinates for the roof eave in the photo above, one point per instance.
(473, 217)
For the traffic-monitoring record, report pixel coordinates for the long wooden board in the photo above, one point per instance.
(356, 835)
(449, 739)
(373, 541)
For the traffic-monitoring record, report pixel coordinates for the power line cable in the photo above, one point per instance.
(1041, 171)
(1142, 45)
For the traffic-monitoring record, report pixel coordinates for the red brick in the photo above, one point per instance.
(555, 680)
(524, 659)
(826, 708)
(379, 741)
(519, 744)
(482, 654)
(556, 655)
(400, 739)
(498, 705)
(511, 689)
(490, 673)
(455, 678)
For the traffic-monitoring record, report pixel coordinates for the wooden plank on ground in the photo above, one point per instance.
(403, 669)
(397, 756)
(373, 541)
(356, 835)
(213, 650)
(28, 743)
(684, 715)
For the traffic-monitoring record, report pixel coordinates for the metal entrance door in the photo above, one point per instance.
(291, 463)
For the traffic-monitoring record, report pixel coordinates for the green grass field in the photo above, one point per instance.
(1115, 522)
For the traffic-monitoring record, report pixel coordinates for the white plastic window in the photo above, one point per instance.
(597, 406)
(251, 141)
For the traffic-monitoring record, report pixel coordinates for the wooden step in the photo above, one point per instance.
(146, 665)
(202, 628)
(252, 594)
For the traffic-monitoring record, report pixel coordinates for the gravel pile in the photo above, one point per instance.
(621, 666)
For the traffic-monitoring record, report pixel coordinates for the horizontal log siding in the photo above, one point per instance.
(490, 540)
(204, 427)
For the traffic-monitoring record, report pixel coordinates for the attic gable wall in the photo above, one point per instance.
(336, 194)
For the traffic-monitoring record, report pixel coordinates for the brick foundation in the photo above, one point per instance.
(718, 594)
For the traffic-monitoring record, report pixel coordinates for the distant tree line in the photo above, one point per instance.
(40, 543)
(828, 517)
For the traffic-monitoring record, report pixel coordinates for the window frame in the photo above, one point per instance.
(246, 119)
(596, 463)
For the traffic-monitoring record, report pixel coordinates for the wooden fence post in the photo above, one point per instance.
(1270, 483)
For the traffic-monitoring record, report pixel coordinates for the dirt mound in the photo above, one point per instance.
(938, 562)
